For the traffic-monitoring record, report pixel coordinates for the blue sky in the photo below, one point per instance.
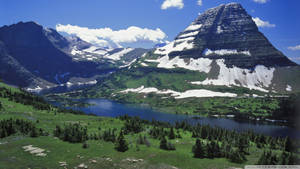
(150, 20)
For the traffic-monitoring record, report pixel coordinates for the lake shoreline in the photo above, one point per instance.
(110, 108)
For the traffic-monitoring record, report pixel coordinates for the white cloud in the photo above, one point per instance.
(172, 4)
(106, 37)
(261, 1)
(199, 2)
(294, 47)
(261, 23)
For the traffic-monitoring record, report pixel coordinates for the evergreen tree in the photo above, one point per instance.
(284, 158)
(288, 145)
(210, 150)
(237, 157)
(57, 132)
(293, 159)
(163, 143)
(85, 145)
(262, 159)
(33, 132)
(1, 107)
(267, 158)
(172, 134)
(198, 150)
(243, 144)
(178, 134)
(121, 144)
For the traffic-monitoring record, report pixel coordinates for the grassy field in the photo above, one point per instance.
(99, 154)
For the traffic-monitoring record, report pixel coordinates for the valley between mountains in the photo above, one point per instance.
(219, 95)
(220, 65)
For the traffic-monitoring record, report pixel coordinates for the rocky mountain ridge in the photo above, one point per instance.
(225, 45)
(37, 57)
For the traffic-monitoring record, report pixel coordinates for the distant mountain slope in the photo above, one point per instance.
(33, 56)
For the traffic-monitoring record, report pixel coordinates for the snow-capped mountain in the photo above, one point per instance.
(225, 44)
(37, 57)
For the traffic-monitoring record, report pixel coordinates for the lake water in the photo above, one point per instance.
(108, 108)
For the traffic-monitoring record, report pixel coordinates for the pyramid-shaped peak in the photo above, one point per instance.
(229, 33)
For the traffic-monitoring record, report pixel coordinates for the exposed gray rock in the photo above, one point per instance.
(231, 27)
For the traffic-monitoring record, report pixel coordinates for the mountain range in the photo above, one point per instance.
(222, 53)
(35, 57)
(222, 50)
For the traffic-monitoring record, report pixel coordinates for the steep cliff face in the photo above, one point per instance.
(225, 44)
(227, 32)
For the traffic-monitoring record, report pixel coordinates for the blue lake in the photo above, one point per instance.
(108, 108)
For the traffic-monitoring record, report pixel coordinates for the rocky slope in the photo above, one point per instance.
(225, 44)
(37, 57)
(221, 54)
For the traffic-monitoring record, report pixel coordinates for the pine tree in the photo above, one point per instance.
(33, 132)
(85, 145)
(262, 159)
(163, 143)
(283, 159)
(237, 157)
(198, 150)
(288, 145)
(210, 150)
(293, 159)
(121, 144)
(1, 107)
(243, 145)
(172, 134)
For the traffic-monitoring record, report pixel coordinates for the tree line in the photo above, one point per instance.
(25, 98)
(11, 126)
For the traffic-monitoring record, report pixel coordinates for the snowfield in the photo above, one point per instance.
(118, 55)
(225, 52)
(259, 79)
(201, 64)
(180, 95)
(177, 45)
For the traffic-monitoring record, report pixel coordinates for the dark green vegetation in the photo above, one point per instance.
(241, 108)
(10, 127)
(125, 142)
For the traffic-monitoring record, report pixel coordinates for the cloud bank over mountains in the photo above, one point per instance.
(107, 37)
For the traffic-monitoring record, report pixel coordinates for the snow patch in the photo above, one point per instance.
(96, 50)
(225, 52)
(200, 64)
(118, 55)
(288, 88)
(259, 79)
(144, 64)
(180, 95)
(130, 63)
(193, 27)
(35, 90)
(219, 30)
(177, 45)
(194, 33)
(75, 51)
